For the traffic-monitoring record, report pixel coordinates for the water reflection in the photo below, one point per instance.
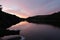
(38, 31)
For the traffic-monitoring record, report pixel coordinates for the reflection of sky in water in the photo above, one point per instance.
(38, 31)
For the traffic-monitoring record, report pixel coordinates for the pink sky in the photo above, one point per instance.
(30, 7)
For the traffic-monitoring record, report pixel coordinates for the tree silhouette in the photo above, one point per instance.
(53, 19)
(6, 21)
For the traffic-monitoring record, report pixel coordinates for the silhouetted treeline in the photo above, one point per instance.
(6, 21)
(53, 19)
(9, 32)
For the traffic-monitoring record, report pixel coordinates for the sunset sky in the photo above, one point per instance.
(26, 8)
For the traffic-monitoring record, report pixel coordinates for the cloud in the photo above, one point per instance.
(32, 7)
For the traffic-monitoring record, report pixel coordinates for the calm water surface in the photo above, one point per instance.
(33, 31)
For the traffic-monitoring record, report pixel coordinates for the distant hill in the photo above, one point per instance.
(7, 20)
(53, 19)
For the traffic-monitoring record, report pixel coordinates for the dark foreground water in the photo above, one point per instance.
(32, 31)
